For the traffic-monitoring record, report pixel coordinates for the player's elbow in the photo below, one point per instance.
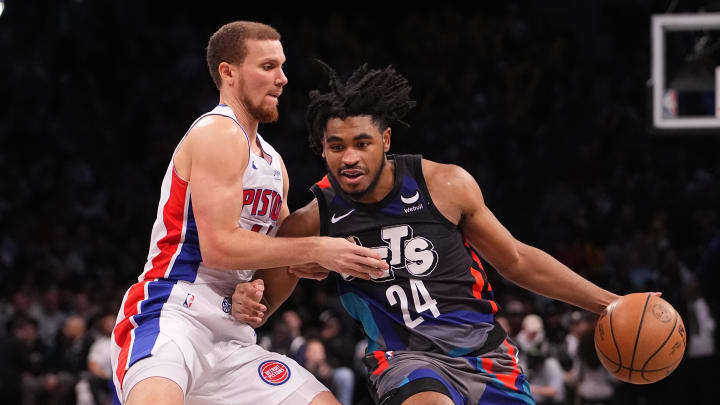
(512, 267)
(214, 261)
(214, 256)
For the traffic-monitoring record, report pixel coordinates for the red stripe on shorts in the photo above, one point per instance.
(123, 330)
(382, 362)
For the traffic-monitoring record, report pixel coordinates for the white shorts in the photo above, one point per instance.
(249, 375)
(184, 332)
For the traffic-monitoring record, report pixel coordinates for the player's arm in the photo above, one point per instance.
(255, 302)
(522, 264)
(218, 153)
(278, 284)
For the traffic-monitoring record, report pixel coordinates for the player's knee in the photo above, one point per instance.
(428, 398)
(155, 391)
(324, 398)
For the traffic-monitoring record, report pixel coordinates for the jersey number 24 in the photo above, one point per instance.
(421, 298)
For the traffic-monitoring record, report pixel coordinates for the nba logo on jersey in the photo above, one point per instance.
(274, 372)
(189, 300)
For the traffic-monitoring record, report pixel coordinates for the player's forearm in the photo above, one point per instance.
(279, 285)
(247, 250)
(539, 272)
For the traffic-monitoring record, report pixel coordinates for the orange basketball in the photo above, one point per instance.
(640, 338)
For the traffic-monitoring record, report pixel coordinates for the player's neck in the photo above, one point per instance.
(244, 118)
(384, 186)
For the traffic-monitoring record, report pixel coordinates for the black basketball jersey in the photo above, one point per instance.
(435, 296)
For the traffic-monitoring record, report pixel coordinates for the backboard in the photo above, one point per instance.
(686, 72)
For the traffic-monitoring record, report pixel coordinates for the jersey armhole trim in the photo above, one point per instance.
(184, 137)
(322, 209)
(176, 175)
(247, 138)
(417, 169)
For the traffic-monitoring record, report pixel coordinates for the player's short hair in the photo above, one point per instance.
(383, 94)
(227, 44)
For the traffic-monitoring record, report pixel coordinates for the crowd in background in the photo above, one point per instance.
(545, 103)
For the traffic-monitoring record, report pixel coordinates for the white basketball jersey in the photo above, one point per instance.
(174, 247)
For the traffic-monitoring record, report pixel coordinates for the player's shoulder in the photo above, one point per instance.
(445, 174)
(451, 183)
(216, 126)
(217, 132)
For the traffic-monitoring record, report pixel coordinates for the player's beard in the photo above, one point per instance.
(262, 115)
(357, 195)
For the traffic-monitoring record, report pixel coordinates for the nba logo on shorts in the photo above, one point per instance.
(274, 372)
(226, 305)
(189, 300)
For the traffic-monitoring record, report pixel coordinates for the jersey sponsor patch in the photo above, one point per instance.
(274, 372)
(412, 199)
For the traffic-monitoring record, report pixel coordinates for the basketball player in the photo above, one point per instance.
(429, 319)
(223, 196)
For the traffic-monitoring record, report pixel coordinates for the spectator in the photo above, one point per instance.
(336, 343)
(29, 357)
(49, 315)
(98, 362)
(546, 376)
(701, 350)
(312, 357)
(592, 383)
(68, 358)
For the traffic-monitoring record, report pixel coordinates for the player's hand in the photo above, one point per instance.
(343, 256)
(312, 271)
(246, 306)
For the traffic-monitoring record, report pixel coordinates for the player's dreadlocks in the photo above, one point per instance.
(383, 94)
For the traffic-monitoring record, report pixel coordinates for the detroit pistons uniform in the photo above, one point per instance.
(180, 309)
(429, 320)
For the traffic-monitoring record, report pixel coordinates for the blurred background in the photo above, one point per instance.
(546, 103)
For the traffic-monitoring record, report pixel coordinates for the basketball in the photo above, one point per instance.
(640, 338)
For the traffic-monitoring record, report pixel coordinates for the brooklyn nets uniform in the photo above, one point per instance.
(180, 308)
(430, 317)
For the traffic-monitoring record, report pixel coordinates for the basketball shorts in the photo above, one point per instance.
(184, 332)
(489, 379)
